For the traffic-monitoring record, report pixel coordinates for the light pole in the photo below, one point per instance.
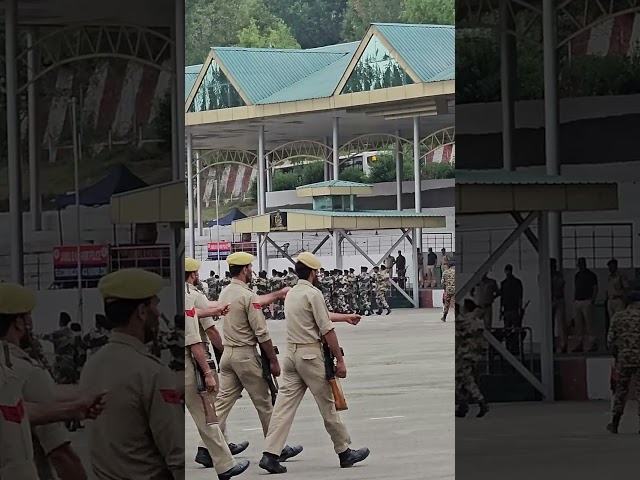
(217, 220)
(76, 179)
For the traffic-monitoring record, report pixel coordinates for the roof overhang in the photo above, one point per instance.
(326, 191)
(162, 203)
(479, 198)
(318, 221)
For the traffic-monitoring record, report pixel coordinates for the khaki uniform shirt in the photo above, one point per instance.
(306, 314)
(245, 324)
(140, 434)
(39, 388)
(16, 448)
(617, 285)
(197, 299)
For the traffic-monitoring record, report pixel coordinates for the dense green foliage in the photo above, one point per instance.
(297, 23)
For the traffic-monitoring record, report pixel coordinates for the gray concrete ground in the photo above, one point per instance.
(400, 393)
(535, 440)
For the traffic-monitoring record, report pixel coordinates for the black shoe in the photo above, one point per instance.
(615, 423)
(484, 408)
(461, 411)
(290, 452)
(379, 312)
(351, 457)
(369, 312)
(237, 470)
(237, 448)
(388, 311)
(203, 457)
(271, 464)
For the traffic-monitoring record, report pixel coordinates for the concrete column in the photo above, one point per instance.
(199, 194)
(262, 194)
(417, 186)
(336, 250)
(508, 75)
(546, 310)
(336, 149)
(177, 96)
(327, 169)
(192, 232)
(399, 172)
(35, 139)
(552, 117)
(16, 256)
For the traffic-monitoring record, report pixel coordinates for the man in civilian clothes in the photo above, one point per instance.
(511, 293)
(585, 293)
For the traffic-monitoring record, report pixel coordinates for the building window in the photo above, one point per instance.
(215, 92)
(376, 69)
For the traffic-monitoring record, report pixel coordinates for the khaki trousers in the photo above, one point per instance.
(431, 276)
(304, 368)
(614, 305)
(241, 369)
(211, 434)
(583, 312)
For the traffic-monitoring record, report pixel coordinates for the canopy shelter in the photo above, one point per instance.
(482, 192)
(334, 212)
(225, 221)
(157, 204)
(260, 108)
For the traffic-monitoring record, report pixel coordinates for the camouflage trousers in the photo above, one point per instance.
(327, 301)
(340, 304)
(446, 304)
(351, 301)
(623, 382)
(381, 299)
(278, 310)
(467, 390)
(64, 371)
(364, 299)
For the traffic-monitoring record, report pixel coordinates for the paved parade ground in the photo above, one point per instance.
(400, 393)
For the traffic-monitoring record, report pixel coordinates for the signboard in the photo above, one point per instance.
(218, 250)
(94, 262)
(249, 247)
(278, 221)
(155, 258)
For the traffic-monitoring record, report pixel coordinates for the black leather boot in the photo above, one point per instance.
(271, 463)
(484, 408)
(290, 452)
(615, 423)
(203, 457)
(237, 448)
(350, 457)
(237, 470)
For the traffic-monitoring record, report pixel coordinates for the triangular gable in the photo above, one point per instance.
(375, 65)
(191, 74)
(215, 88)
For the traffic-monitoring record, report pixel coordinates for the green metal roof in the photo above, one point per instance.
(262, 72)
(519, 177)
(339, 48)
(334, 183)
(190, 75)
(428, 49)
(365, 213)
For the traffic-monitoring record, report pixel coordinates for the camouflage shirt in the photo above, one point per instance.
(291, 280)
(624, 336)
(470, 341)
(262, 286)
(449, 281)
(364, 282)
(214, 288)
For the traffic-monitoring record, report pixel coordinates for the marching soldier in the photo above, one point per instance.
(364, 291)
(277, 283)
(262, 288)
(449, 285)
(291, 279)
(382, 283)
(470, 346)
(624, 342)
(98, 336)
(308, 323)
(241, 364)
(209, 335)
(213, 283)
(54, 457)
(352, 297)
(341, 292)
(63, 341)
(224, 282)
(326, 287)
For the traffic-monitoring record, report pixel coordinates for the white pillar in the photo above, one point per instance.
(417, 233)
(336, 250)
(177, 96)
(16, 257)
(507, 79)
(198, 195)
(35, 201)
(399, 172)
(546, 313)
(552, 117)
(326, 169)
(192, 232)
(336, 149)
(262, 197)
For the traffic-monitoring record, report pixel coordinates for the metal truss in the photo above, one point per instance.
(84, 42)
(439, 139)
(214, 158)
(371, 142)
(298, 150)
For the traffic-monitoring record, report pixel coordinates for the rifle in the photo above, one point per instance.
(272, 382)
(218, 354)
(329, 365)
(210, 415)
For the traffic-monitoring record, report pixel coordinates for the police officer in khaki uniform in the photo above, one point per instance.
(308, 324)
(241, 365)
(195, 346)
(208, 334)
(140, 434)
(617, 286)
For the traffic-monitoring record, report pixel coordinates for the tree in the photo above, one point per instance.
(270, 37)
(353, 174)
(360, 14)
(384, 169)
(434, 171)
(313, 173)
(438, 12)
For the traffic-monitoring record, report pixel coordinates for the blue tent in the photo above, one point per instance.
(234, 214)
(119, 179)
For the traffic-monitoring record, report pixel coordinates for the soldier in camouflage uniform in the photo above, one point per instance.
(382, 284)
(365, 284)
(98, 336)
(624, 342)
(340, 292)
(213, 284)
(470, 345)
(63, 341)
(34, 349)
(277, 283)
(326, 287)
(173, 340)
(291, 279)
(223, 282)
(449, 285)
(263, 288)
(352, 297)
